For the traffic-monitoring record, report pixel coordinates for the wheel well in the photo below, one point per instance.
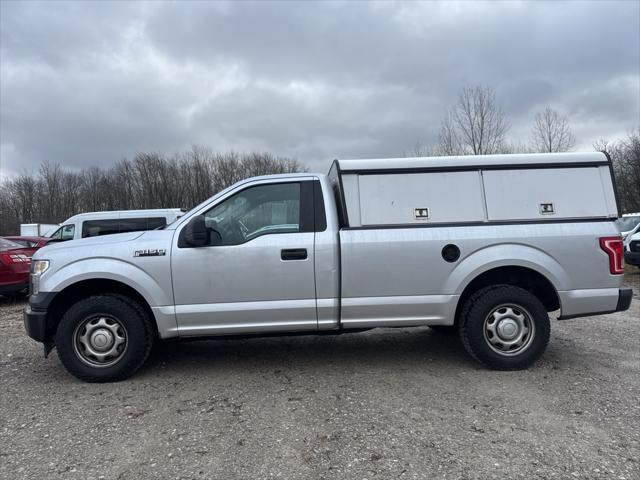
(77, 291)
(522, 277)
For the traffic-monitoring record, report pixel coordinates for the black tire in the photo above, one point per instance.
(478, 319)
(444, 329)
(126, 316)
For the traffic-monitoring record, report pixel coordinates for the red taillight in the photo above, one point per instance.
(614, 248)
(11, 258)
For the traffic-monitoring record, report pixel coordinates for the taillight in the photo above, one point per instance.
(614, 248)
(11, 258)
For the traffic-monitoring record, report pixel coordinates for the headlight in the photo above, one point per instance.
(38, 267)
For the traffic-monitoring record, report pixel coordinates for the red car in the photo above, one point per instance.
(15, 262)
(30, 242)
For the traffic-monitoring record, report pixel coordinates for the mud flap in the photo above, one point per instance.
(48, 346)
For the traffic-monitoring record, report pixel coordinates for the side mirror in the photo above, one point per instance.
(195, 233)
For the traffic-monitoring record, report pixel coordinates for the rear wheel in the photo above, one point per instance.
(104, 338)
(504, 327)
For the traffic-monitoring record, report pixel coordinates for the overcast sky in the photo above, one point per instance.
(89, 83)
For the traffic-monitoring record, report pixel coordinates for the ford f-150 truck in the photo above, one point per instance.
(485, 246)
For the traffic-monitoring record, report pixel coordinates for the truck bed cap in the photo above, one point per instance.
(468, 162)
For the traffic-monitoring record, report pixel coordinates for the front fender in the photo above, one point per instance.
(505, 255)
(155, 292)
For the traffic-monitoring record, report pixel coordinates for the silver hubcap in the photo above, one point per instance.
(509, 330)
(100, 341)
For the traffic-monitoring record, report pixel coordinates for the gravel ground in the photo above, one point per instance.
(405, 403)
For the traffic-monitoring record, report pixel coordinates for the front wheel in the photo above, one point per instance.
(104, 338)
(504, 327)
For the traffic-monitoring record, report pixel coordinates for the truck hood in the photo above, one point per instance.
(141, 260)
(84, 243)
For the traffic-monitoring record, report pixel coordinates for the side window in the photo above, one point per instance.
(156, 222)
(139, 224)
(256, 211)
(319, 214)
(132, 224)
(64, 233)
(94, 228)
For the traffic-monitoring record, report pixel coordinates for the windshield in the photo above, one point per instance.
(625, 224)
(65, 232)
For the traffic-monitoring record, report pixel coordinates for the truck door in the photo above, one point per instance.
(257, 273)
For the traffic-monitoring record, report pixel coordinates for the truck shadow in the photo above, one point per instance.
(18, 299)
(385, 348)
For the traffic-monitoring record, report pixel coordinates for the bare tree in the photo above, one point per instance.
(475, 125)
(422, 150)
(449, 143)
(625, 156)
(51, 175)
(150, 180)
(551, 132)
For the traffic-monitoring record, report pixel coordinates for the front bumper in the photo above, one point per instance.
(632, 258)
(36, 318)
(35, 323)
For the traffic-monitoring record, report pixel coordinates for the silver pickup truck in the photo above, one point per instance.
(483, 246)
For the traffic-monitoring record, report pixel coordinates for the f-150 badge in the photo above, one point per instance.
(153, 252)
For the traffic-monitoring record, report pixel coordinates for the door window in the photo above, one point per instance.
(256, 211)
(64, 233)
(94, 228)
(156, 222)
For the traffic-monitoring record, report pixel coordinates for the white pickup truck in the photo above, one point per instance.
(484, 246)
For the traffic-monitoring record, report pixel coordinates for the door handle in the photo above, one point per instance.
(293, 254)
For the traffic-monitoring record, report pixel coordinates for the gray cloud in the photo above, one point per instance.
(87, 83)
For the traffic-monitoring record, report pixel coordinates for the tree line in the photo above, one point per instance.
(149, 180)
(625, 156)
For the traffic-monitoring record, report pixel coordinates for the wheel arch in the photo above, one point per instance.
(516, 275)
(74, 292)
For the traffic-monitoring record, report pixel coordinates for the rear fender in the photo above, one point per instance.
(505, 255)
